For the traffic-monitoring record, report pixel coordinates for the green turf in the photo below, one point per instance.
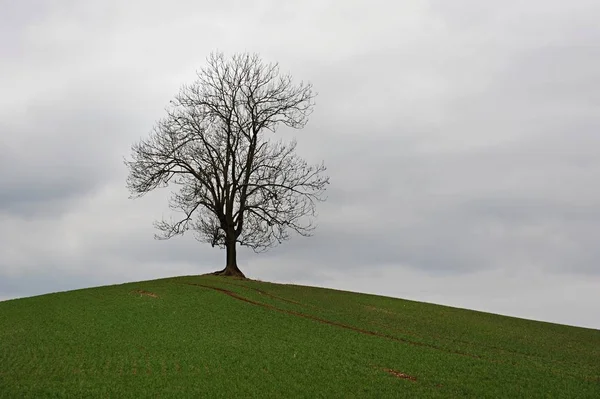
(206, 336)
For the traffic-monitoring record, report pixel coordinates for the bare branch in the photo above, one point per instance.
(234, 184)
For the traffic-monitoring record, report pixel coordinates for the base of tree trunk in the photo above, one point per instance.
(231, 272)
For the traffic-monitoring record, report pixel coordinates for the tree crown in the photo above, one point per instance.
(234, 183)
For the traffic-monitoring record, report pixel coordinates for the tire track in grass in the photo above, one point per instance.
(520, 355)
(271, 295)
(333, 323)
(410, 333)
(405, 332)
(348, 327)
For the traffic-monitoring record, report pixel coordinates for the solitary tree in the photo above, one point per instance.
(235, 185)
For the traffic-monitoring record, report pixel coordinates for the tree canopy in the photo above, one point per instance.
(235, 184)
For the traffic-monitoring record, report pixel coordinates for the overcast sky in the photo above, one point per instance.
(462, 139)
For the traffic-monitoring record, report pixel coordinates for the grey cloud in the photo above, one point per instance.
(461, 139)
(529, 202)
(36, 180)
(63, 146)
(38, 283)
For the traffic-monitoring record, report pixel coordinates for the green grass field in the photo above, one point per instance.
(206, 336)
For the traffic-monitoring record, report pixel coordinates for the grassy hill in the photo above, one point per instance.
(207, 336)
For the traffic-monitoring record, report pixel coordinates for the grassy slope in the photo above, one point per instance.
(270, 340)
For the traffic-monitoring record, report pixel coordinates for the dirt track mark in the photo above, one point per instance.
(376, 309)
(333, 323)
(270, 295)
(480, 345)
(399, 374)
(147, 293)
(367, 332)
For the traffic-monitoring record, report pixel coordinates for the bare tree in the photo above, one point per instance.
(235, 185)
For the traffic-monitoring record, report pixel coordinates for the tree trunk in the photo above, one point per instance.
(231, 268)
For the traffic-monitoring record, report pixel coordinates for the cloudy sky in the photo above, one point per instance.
(462, 139)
